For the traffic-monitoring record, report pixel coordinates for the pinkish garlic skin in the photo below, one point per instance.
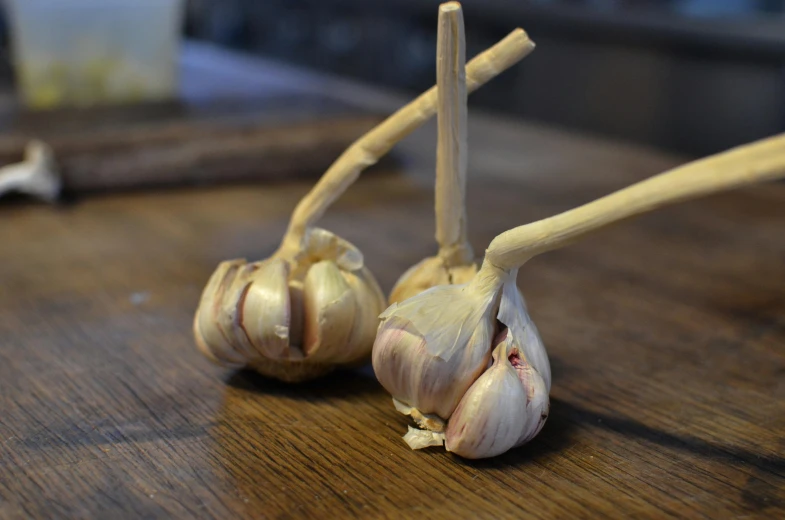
(505, 408)
(537, 398)
(414, 377)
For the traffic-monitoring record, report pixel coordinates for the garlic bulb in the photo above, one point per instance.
(433, 353)
(431, 350)
(313, 306)
(454, 263)
(295, 319)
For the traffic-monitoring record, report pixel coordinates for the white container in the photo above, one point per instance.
(86, 52)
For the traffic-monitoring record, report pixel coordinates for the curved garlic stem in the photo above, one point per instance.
(489, 278)
(760, 161)
(373, 145)
(451, 148)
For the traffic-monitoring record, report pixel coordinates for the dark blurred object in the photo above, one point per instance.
(171, 144)
(694, 76)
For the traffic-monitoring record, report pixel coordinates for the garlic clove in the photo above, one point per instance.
(537, 399)
(229, 317)
(264, 308)
(296, 312)
(395, 358)
(329, 309)
(505, 408)
(534, 385)
(217, 344)
(370, 303)
(491, 416)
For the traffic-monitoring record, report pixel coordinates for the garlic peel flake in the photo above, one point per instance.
(419, 439)
(322, 244)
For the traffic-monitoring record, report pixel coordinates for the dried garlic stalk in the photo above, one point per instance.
(466, 361)
(313, 305)
(455, 260)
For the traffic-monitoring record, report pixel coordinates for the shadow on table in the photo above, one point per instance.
(557, 434)
(339, 384)
(758, 493)
(566, 418)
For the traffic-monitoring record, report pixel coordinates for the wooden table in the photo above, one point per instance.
(665, 333)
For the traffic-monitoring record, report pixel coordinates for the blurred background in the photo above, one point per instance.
(692, 76)
(688, 76)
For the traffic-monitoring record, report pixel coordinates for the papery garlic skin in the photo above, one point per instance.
(291, 318)
(428, 383)
(430, 348)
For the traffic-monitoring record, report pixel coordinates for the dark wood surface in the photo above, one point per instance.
(665, 333)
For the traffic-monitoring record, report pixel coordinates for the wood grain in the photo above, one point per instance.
(666, 336)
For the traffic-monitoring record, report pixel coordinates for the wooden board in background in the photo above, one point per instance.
(176, 144)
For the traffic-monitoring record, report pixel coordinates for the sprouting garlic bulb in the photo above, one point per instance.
(433, 353)
(429, 347)
(291, 317)
(454, 263)
(313, 306)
